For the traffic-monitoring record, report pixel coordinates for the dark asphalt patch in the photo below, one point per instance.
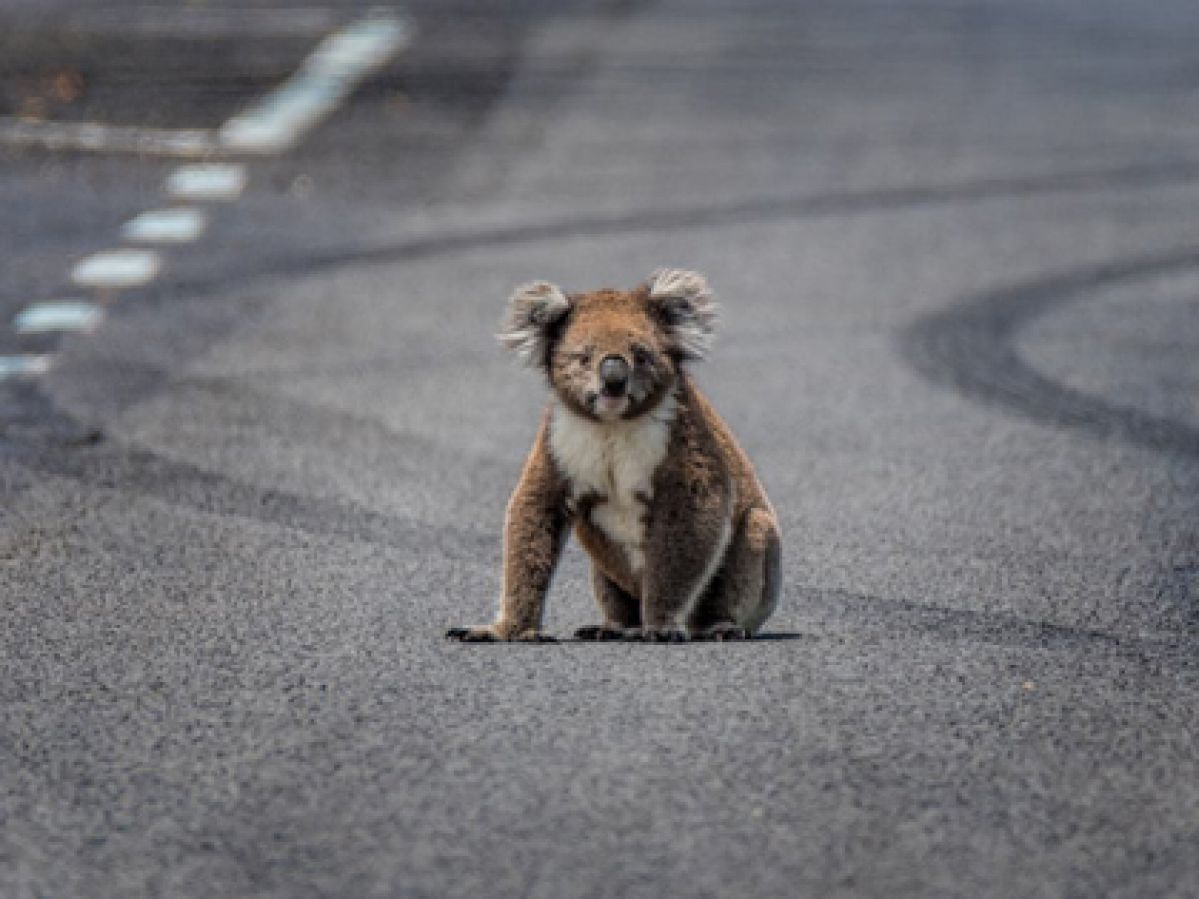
(969, 347)
(155, 79)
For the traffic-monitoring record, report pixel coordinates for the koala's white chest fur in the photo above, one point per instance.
(616, 462)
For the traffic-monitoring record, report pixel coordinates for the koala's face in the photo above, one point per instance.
(612, 354)
(611, 360)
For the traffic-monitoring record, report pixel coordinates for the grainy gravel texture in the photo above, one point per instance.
(956, 245)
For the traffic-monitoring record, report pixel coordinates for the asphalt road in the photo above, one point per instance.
(957, 250)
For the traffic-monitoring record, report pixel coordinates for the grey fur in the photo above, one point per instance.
(682, 538)
(688, 310)
(532, 310)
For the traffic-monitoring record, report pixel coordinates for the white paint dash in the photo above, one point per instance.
(98, 137)
(23, 366)
(58, 315)
(180, 225)
(114, 269)
(207, 181)
(330, 73)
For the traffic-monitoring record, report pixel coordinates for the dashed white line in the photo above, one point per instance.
(114, 269)
(208, 181)
(58, 315)
(24, 366)
(328, 75)
(180, 225)
(100, 138)
(274, 123)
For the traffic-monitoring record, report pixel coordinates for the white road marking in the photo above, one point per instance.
(23, 366)
(271, 124)
(276, 122)
(330, 73)
(101, 138)
(209, 181)
(113, 269)
(180, 225)
(59, 315)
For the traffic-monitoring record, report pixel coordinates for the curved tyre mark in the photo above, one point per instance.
(64, 447)
(181, 484)
(658, 219)
(969, 347)
(966, 347)
(885, 618)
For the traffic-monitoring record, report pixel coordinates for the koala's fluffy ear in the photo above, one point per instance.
(683, 303)
(534, 311)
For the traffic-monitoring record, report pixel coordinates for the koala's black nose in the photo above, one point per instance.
(614, 372)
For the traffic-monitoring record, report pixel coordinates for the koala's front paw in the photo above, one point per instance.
(491, 633)
(660, 633)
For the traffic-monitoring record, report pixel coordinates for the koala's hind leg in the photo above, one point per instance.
(620, 610)
(745, 590)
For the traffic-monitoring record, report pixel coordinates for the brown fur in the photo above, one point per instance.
(694, 551)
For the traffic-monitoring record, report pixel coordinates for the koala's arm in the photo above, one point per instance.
(535, 530)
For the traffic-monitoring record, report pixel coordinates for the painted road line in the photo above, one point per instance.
(114, 269)
(181, 225)
(271, 124)
(100, 138)
(208, 181)
(23, 366)
(327, 76)
(59, 315)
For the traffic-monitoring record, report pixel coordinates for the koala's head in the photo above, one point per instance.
(612, 354)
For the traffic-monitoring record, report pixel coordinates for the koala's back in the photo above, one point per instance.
(749, 493)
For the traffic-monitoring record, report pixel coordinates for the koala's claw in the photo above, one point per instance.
(600, 633)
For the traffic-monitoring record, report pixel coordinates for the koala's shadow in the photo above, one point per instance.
(768, 637)
(779, 636)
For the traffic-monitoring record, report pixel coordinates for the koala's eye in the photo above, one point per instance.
(641, 356)
(583, 357)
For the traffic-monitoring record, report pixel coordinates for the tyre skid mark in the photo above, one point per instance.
(82, 453)
(969, 347)
(881, 618)
(133, 469)
(760, 210)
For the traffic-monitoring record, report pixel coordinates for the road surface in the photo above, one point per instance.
(957, 252)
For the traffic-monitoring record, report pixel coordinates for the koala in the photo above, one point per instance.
(630, 454)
